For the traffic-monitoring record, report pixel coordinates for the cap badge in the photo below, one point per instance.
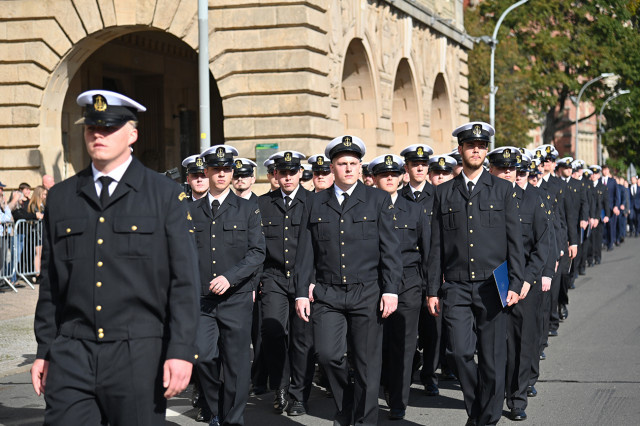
(420, 151)
(518, 159)
(199, 162)
(548, 149)
(477, 130)
(320, 161)
(287, 157)
(538, 154)
(220, 152)
(238, 164)
(506, 153)
(346, 141)
(100, 103)
(388, 160)
(567, 161)
(441, 162)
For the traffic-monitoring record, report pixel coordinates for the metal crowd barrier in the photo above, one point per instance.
(20, 244)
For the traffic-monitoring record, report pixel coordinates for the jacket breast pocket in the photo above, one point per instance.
(235, 234)
(406, 231)
(134, 235)
(451, 216)
(202, 234)
(272, 227)
(69, 239)
(320, 228)
(491, 213)
(368, 224)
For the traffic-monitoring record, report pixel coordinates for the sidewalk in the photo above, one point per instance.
(16, 329)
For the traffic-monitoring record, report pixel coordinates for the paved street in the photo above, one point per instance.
(591, 375)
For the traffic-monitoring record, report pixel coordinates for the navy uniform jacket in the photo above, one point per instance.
(125, 272)
(635, 199)
(603, 200)
(230, 244)
(613, 193)
(577, 204)
(470, 237)
(281, 228)
(536, 234)
(425, 200)
(411, 224)
(357, 245)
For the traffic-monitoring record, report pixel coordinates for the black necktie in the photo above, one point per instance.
(215, 205)
(345, 197)
(470, 187)
(417, 194)
(287, 202)
(104, 192)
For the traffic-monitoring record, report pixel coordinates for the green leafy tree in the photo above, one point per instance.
(547, 50)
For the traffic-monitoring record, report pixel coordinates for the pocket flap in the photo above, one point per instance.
(271, 221)
(319, 220)
(491, 205)
(134, 224)
(70, 227)
(235, 226)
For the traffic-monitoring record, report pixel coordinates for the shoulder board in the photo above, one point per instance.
(182, 196)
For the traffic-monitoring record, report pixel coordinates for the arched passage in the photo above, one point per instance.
(156, 69)
(441, 120)
(404, 118)
(358, 101)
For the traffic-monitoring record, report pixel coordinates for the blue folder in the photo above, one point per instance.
(501, 276)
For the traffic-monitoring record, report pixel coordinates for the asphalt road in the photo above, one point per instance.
(591, 375)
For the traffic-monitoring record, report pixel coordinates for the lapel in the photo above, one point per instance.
(230, 202)
(357, 196)
(330, 199)
(277, 200)
(458, 183)
(87, 188)
(203, 203)
(132, 179)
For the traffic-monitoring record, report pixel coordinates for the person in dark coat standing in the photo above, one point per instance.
(197, 181)
(347, 234)
(614, 202)
(411, 223)
(635, 205)
(244, 178)
(288, 340)
(475, 228)
(231, 250)
(116, 315)
(523, 325)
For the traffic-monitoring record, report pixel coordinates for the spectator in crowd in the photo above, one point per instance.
(5, 228)
(19, 211)
(48, 182)
(36, 208)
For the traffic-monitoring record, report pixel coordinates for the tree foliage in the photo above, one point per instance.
(547, 50)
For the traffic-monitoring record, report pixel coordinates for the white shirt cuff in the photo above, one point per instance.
(390, 294)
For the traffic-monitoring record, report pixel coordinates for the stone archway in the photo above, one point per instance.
(158, 70)
(441, 117)
(358, 106)
(405, 120)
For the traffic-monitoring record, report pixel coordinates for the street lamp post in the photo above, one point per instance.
(599, 120)
(492, 87)
(587, 84)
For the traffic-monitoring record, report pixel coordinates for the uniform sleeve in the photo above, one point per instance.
(390, 262)
(184, 290)
(424, 244)
(435, 254)
(571, 213)
(303, 274)
(541, 247)
(256, 251)
(46, 317)
(515, 248)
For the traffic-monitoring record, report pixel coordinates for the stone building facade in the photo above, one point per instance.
(290, 74)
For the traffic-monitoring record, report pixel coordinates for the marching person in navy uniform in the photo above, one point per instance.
(614, 202)
(231, 250)
(411, 223)
(288, 340)
(635, 205)
(196, 179)
(116, 315)
(475, 228)
(603, 212)
(441, 169)
(244, 178)
(523, 320)
(271, 168)
(348, 235)
(322, 175)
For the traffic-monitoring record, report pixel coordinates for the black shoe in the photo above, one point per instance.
(195, 396)
(215, 421)
(258, 390)
(203, 415)
(448, 375)
(597, 261)
(280, 402)
(432, 390)
(572, 286)
(553, 333)
(581, 272)
(543, 356)
(328, 394)
(470, 422)
(343, 418)
(564, 312)
(296, 409)
(532, 392)
(387, 397)
(396, 414)
(517, 414)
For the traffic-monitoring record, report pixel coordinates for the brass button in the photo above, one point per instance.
(214, 262)
(286, 261)
(471, 245)
(214, 222)
(341, 220)
(195, 356)
(100, 241)
(286, 239)
(234, 226)
(101, 336)
(285, 228)
(99, 284)
(470, 203)
(342, 254)
(449, 209)
(342, 243)
(100, 264)
(365, 218)
(472, 259)
(213, 236)
(68, 230)
(286, 217)
(98, 308)
(343, 266)
(101, 220)
(342, 232)
(491, 206)
(100, 330)
(286, 250)
(215, 275)
(213, 249)
(319, 219)
(471, 231)
(134, 228)
(470, 217)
